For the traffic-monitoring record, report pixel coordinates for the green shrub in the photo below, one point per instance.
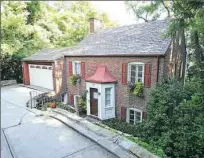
(73, 79)
(138, 90)
(65, 107)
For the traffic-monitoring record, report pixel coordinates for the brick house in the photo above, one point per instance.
(108, 60)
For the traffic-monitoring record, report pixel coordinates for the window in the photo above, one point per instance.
(64, 98)
(134, 115)
(76, 99)
(76, 67)
(107, 97)
(136, 72)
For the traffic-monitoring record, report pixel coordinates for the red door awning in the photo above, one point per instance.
(101, 75)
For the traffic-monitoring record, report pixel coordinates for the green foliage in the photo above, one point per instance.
(138, 90)
(28, 26)
(82, 105)
(65, 107)
(153, 149)
(148, 11)
(11, 67)
(136, 132)
(175, 118)
(73, 79)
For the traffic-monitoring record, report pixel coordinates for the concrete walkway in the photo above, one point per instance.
(27, 134)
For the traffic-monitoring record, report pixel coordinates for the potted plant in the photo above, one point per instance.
(82, 105)
(74, 79)
(139, 89)
(53, 105)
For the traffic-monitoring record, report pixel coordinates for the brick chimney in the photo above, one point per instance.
(95, 25)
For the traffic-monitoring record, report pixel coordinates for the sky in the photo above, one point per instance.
(116, 11)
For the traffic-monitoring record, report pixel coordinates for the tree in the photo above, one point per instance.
(28, 26)
(149, 11)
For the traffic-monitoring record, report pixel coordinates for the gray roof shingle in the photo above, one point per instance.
(48, 54)
(136, 39)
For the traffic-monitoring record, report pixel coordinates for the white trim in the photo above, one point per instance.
(73, 66)
(129, 70)
(109, 105)
(75, 98)
(103, 112)
(135, 110)
(65, 98)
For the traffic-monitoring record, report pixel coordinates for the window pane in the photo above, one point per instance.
(78, 68)
(107, 96)
(131, 121)
(140, 68)
(139, 80)
(138, 116)
(132, 117)
(133, 73)
(132, 79)
(133, 67)
(139, 74)
(132, 112)
(107, 102)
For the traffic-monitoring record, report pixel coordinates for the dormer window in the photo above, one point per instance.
(135, 72)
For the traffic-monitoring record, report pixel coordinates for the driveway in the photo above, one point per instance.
(25, 135)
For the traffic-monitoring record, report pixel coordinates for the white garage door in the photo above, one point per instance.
(41, 75)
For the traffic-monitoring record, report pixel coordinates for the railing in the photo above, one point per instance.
(32, 102)
(37, 100)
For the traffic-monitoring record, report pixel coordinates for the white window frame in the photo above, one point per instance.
(135, 110)
(74, 68)
(75, 99)
(109, 105)
(137, 64)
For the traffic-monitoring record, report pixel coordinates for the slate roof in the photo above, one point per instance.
(136, 39)
(48, 54)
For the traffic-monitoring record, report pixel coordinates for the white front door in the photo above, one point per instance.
(41, 75)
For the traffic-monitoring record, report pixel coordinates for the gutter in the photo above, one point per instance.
(157, 68)
(118, 55)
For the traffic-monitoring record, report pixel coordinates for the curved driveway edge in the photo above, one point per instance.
(99, 135)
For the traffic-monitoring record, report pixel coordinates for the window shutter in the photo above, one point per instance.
(123, 113)
(147, 76)
(83, 70)
(72, 99)
(124, 73)
(144, 115)
(70, 68)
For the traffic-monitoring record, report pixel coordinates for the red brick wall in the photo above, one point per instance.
(114, 65)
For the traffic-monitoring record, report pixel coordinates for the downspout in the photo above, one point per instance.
(157, 68)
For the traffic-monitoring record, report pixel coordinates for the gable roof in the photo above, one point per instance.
(48, 54)
(137, 39)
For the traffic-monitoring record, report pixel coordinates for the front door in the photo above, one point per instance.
(94, 101)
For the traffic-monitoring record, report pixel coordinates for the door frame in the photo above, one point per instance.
(88, 101)
(91, 97)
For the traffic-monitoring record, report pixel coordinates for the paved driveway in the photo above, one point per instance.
(31, 136)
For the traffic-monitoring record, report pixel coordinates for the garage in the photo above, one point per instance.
(41, 75)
